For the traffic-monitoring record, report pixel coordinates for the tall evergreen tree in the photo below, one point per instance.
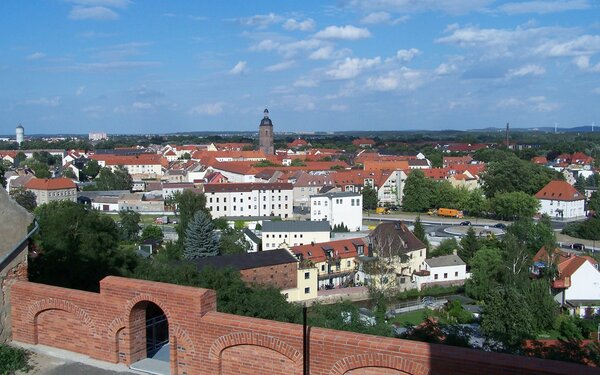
(188, 203)
(130, 224)
(369, 198)
(419, 231)
(469, 245)
(200, 241)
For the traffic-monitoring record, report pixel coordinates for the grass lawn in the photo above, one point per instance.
(413, 318)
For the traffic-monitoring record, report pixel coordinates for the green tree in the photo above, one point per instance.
(474, 202)
(419, 231)
(469, 245)
(39, 169)
(580, 184)
(533, 234)
(117, 180)
(486, 271)
(91, 169)
(188, 203)
(2, 178)
(68, 173)
(445, 195)
(200, 241)
(589, 229)
(369, 196)
(152, 232)
(25, 198)
(541, 304)
(507, 318)
(233, 241)
(513, 174)
(129, 222)
(418, 192)
(594, 203)
(77, 246)
(446, 247)
(298, 163)
(513, 205)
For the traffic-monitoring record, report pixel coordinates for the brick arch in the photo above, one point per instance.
(183, 337)
(378, 360)
(147, 298)
(113, 335)
(251, 338)
(38, 307)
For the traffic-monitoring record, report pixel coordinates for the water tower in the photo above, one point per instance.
(20, 134)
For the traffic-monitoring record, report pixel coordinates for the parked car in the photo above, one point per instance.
(465, 223)
(578, 246)
(500, 226)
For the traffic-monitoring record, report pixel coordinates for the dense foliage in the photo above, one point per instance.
(12, 360)
(200, 240)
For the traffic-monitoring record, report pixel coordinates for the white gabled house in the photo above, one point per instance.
(446, 270)
(560, 199)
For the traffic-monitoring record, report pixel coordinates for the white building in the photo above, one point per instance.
(278, 234)
(142, 165)
(97, 136)
(559, 199)
(249, 199)
(445, 270)
(392, 190)
(20, 134)
(343, 208)
(578, 286)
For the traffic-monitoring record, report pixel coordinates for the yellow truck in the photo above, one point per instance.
(382, 211)
(446, 212)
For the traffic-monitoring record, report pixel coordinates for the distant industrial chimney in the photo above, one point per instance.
(507, 136)
(20, 134)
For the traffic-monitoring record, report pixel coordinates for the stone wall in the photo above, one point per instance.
(14, 221)
(109, 326)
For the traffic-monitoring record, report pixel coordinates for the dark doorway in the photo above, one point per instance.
(157, 329)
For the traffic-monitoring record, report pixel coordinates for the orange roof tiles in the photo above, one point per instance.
(50, 184)
(560, 191)
(341, 249)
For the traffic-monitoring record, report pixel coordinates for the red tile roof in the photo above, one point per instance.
(246, 186)
(141, 159)
(559, 191)
(50, 184)
(341, 249)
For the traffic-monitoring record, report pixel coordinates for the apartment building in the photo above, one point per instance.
(249, 199)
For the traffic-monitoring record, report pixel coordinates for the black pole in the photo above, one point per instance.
(304, 342)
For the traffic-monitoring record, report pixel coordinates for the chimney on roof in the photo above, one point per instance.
(312, 243)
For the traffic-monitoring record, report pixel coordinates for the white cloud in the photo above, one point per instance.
(527, 70)
(543, 7)
(377, 18)
(412, 6)
(261, 21)
(306, 25)
(280, 66)
(135, 107)
(108, 66)
(35, 56)
(338, 107)
(265, 45)
(93, 13)
(328, 53)
(581, 45)
(532, 103)
(347, 32)
(45, 102)
(105, 3)
(407, 55)
(445, 69)
(402, 79)
(583, 63)
(80, 90)
(239, 68)
(291, 49)
(352, 67)
(142, 105)
(210, 109)
(306, 82)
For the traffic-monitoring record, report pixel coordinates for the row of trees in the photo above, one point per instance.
(422, 193)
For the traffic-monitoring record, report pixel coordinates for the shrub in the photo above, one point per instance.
(12, 359)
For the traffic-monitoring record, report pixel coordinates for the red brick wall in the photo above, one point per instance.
(106, 326)
(282, 276)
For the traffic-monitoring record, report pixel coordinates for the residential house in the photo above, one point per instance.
(335, 261)
(446, 270)
(52, 189)
(560, 199)
(308, 184)
(398, 255)
(576, 286)
(142, 166)
(448, 161)
(338, 208)
(364, 142)
(278, 268)
(249, 199)
(140, 202)
(288, 233)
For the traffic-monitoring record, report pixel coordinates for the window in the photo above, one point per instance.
(435, 277)
(272, 206)
(402, 280)
(234, 208)
(307, 290)
(456, 274)
(445, 275)
(224, 200)
(322, 267)
(348, 263)
(301, 235)
(234, 199)
(217, 199)
(306, 275)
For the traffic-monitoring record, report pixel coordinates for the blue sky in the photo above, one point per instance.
(152, 66)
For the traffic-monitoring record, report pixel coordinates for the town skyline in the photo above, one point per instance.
(137, 68)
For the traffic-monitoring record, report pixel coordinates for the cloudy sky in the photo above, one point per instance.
(159, 66)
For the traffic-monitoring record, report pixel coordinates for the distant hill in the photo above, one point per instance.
(543, 129)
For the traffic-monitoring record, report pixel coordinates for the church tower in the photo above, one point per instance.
(265, 135)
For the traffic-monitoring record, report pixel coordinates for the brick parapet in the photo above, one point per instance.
(106, 326)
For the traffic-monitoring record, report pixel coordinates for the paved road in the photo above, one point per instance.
(81, 369)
